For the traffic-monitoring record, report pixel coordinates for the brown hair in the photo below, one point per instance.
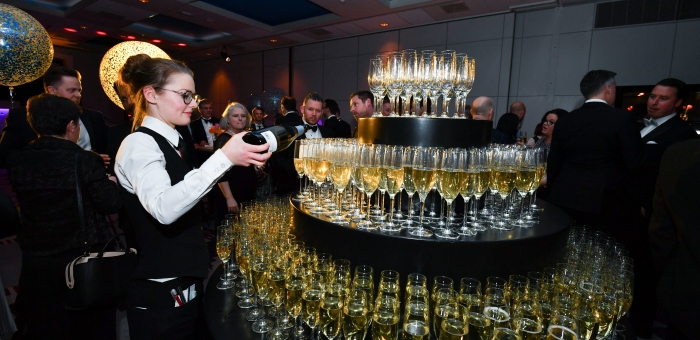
(54, 76)
(140, 71)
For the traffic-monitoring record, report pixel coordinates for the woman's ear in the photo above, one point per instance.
(150, 94)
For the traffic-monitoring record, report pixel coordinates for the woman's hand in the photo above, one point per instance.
(232, 204)
(241, 153)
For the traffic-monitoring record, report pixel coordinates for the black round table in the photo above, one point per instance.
(489, 253)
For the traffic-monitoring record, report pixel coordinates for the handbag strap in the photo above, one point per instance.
(79, 194)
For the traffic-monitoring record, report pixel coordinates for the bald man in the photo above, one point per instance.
(482, 109)
(519, 109)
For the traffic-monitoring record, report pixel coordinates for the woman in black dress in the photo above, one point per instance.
(239, 183)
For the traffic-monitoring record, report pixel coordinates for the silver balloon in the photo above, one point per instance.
(26, 50)
(253, 101)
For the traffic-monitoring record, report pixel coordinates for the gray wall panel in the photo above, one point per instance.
(538, 23)
(572, 63)
(628, 51)
(420, 37)
(536, 107)
(276, 57)
(577, 18)
(686, 54)
(307, 52)
(488, 64)
(568, 103)
(534, 66)
(340, 48)
(484, 28)
(308, 77)
(515, 67)
(277, 76)
(338, 77)
(380, 42)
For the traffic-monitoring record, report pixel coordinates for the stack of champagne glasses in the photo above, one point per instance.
(346, 174)
(310, 293)
(415, 77)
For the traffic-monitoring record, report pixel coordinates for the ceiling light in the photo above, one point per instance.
(224, 54)
(144, 1)
(181, 44)
(208, 53)
(384, 24)
(155, 40)
(640, 94)
(151, 16)
(273, 40)
(131, 37)
(100, 33)
(83, 27)
(72, 30)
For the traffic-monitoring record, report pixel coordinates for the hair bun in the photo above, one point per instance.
(133, 66)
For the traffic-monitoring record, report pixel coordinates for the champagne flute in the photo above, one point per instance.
(455, 326)
(389, 284)
(497, 307)
(424, 169)
(223, 249)
(468, 176)
(332, 310)
(445, 307)
(394, 79)
(260, 281)
(376, 82)
(355, 315)
(370, 178)
(393, 166)
(470, 293)
(278, 293)
(447, 77)
(385, 325)
(295, 288)
(409, 72)
(428, 82)
(340, 175)
(449, 185)
(525, 179)
(562, 328)
(461, 81)
(417, 311)
(311, 300)
(408, 183)
(379, 154)
(299, 164)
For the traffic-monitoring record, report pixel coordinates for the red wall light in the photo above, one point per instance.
(100, 33)
(131, 37)
(72, 30)
(181, 44)
(155, 40)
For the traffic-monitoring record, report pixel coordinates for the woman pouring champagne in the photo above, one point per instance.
(160, 188)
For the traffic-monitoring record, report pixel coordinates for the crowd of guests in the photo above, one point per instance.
(635, 183)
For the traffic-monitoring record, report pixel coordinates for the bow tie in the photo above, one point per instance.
(650, 121)
(313, 128)
(207, 120)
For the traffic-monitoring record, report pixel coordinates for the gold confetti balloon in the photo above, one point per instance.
(26, 51)
(115, 58)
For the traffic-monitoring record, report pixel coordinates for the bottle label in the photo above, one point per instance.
(270, 139)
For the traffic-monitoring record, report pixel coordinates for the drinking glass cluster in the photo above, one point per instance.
(510, 172)
(409, 75)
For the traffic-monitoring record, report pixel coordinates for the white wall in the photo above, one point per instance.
(535, 57)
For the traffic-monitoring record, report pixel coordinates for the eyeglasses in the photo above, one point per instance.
(549, 122)
(187, 96)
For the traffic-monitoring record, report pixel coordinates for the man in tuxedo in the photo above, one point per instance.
(288, 115)
(340, 127)
(663, 127)
(311, 110)
(386, 107)
(361, 106)
(595, 155)
(200, 126)
(519, 109)
(674, 233)
(258, 119)
(482, 109)
(63, 82)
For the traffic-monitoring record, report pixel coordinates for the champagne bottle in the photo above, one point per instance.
(279, 137)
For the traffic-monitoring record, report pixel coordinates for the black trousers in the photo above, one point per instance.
(41, 299)
(152, 314)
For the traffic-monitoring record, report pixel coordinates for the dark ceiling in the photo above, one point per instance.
(196, 30)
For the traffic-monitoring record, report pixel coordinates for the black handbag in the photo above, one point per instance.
(97, 279)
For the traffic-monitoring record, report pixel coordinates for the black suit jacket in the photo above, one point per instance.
(340, 127)
(198, 132)
(18, 133)
(655, 143)
(594, 158)
(674, 234)
(292, 118)
(252, 126)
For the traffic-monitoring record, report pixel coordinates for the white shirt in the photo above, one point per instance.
(310, 133)
(645, 131)
(84, 137)
(210, 136)
(258, 126)
(140, 168)
(595, 100)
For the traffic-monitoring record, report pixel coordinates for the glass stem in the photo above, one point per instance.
(410, 208)
(399, 204)
(449, 213)
(391, 212)
(422, 209)
(369, 206)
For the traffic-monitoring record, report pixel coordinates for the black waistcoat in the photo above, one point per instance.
(173, 250)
